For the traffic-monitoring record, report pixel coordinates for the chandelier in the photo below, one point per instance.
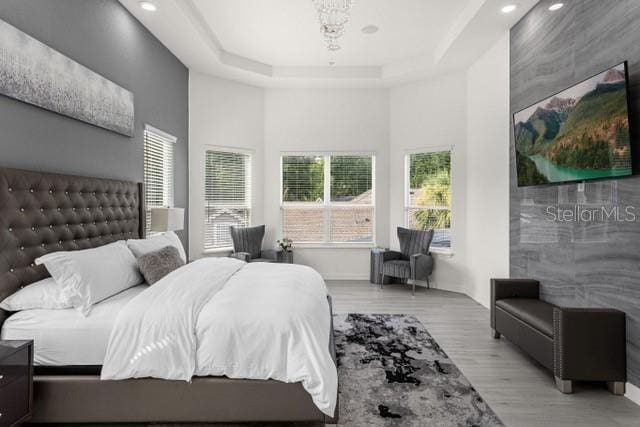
(333, 15)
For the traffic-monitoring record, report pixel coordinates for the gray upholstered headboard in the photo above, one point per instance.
(44, 212)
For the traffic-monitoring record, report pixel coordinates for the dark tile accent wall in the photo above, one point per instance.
(579, 263)
(103, 36)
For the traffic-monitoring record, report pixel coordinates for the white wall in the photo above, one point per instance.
(468, 110)
(225, 114)
(488, 170)
(428, 114)
(327, 120)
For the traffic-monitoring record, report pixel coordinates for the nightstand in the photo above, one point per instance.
(377, 259)
(284, 257)
(16, 381)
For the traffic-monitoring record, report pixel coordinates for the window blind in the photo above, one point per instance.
(303, 179)
(158, 171)
(351, 179)
(328, 198)
(428, 194)
(227, 195)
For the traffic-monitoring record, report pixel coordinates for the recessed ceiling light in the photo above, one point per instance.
(508, 8)
(556, 6)
(148, 6)
(370, 29)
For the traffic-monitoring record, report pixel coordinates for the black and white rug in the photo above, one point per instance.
(393, 373)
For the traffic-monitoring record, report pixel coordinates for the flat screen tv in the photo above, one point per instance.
(579, 134)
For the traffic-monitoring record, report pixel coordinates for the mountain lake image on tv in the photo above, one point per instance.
(579, 134)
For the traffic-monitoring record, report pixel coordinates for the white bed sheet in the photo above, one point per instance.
(221, 316)
(65, 337)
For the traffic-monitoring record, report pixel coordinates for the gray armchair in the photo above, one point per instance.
(413, 262)
(247, 245)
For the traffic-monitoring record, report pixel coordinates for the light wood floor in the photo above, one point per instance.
(520, 391)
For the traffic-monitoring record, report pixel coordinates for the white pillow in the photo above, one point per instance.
(141, 247)
(45, 294)
(88, 276)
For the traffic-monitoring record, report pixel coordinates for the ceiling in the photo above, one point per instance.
(287, 32)
(277, 43)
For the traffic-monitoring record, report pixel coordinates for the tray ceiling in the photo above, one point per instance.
(277, 43)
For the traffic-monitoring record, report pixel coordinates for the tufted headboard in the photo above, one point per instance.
(45, 212)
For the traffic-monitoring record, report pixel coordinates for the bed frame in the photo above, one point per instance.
(44, 212)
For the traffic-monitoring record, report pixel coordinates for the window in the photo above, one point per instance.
(428, 194)
(158, 171)
(328, 198)
(227, 193)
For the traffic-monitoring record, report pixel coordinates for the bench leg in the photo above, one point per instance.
(616, 387)
(565, 386)
(495, 334)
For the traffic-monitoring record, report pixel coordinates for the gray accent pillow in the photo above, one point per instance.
(157, 264)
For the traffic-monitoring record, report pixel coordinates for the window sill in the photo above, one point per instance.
(217, 251)
(443, 252)
(333, 246)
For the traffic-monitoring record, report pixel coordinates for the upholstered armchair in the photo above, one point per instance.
(247, 245)
(413, 261)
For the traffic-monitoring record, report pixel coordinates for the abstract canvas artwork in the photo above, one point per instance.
(32, 72)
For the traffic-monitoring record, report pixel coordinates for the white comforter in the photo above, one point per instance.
(221, 316)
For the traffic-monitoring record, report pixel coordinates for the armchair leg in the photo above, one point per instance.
(565, 386)
(382, 281)
(495, 334)
(413, 289)
(428, 284)
(616, 387)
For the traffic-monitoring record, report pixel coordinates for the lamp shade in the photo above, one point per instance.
(167, 219)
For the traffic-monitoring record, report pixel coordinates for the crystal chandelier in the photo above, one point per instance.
(333, 15)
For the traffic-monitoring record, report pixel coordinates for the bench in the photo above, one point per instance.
(576, 344)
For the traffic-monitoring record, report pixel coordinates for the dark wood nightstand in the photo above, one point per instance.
(16, 381)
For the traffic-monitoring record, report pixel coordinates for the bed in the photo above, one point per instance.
(42, 213)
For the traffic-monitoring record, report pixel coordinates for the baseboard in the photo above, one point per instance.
(632, 393)
(344, 276)
(365, 277)
(357, 276)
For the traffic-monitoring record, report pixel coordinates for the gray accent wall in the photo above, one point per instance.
(103, 36)
(593, 263)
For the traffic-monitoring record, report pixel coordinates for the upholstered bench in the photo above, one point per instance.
(576, 344)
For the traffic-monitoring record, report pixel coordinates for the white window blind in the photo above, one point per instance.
(428, 194)
(328, 198)
(158, 171)
(227, 195)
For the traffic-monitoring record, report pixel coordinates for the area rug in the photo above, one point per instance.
(393, 373)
